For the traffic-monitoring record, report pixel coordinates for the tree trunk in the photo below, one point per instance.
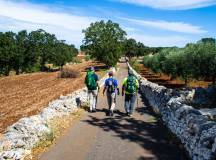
(17, 72)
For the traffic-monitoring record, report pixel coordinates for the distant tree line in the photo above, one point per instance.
(132, 48)
(28, 52)
(195, 60)
(107, 42)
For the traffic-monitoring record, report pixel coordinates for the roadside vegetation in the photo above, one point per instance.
(194, 61)
(30, 52)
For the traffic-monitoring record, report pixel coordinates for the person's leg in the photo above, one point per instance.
(132, 103)
(113, 103)
(127, 103)
(109, 100)
(90, 95)
(94, 95)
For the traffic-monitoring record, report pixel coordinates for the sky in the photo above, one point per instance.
(153, 22)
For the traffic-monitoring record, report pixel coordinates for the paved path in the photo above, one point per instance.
(99, 137)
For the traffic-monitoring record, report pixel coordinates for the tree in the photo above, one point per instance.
(103, 41)
(42, 46)
(21, 51)
(142, 50)
(130, 48)
(63, 53)
(207, 40)
(7, 52)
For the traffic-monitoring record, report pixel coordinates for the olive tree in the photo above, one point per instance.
(104, 41)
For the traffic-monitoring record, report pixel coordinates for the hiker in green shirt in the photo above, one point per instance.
(91, 81)
(130, 89)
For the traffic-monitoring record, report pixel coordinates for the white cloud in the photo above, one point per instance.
(16, 16)
(172, 4)
(170, 26)
(31, 17)
(165, 41)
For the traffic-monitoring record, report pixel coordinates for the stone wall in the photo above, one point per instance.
(196, 132)
(23, 135)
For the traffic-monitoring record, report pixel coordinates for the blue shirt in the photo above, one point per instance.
(115, 82)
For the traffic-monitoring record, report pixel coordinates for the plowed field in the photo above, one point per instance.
(28, 94)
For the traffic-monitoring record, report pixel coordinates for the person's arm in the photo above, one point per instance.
(137, 85)
(123, 86)
(85, 79)
(116, 85)
(97, 81)
(104, 87)
(104, 90)
(123, 89)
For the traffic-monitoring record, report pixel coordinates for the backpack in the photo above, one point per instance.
(90, 81)
(111, 87)
(131, 85)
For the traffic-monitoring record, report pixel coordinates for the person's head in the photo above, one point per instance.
(110, 74)
(92, 69)
(130, 72)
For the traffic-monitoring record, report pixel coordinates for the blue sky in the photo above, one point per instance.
(153, 22)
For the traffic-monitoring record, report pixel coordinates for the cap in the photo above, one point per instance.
(130, 72)
(110, 73)
(92, 69)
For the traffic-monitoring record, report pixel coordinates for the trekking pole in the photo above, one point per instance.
(98, 90)
(137, 101)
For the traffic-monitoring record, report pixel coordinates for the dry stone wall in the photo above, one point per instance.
(196, 132)
(23, 135)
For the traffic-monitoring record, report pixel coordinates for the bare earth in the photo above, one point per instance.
(100, 137)
(28, 94)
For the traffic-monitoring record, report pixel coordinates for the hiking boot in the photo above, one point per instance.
(94, 110)
(111, 113)
(127, 113)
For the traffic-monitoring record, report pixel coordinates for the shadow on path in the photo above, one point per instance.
(148, 132)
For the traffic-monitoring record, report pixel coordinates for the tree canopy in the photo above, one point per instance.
(133, 48)
(23, 52)
(104, 41)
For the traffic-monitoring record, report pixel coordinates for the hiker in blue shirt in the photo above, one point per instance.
(111, 88)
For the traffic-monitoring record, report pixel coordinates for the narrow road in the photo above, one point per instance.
(99, 137)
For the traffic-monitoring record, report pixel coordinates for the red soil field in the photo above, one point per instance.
(28, 94)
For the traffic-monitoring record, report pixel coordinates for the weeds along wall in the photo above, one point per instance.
(196, 132)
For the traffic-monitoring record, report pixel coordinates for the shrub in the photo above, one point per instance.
(67, 72)
(87, 57)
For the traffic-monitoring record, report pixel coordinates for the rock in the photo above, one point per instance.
(210, 113)
(196, 132)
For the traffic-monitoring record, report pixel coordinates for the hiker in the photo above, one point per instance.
(130, 89)
(111, 88)
(91, 81)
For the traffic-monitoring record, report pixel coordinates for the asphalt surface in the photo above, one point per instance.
(100, 137)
